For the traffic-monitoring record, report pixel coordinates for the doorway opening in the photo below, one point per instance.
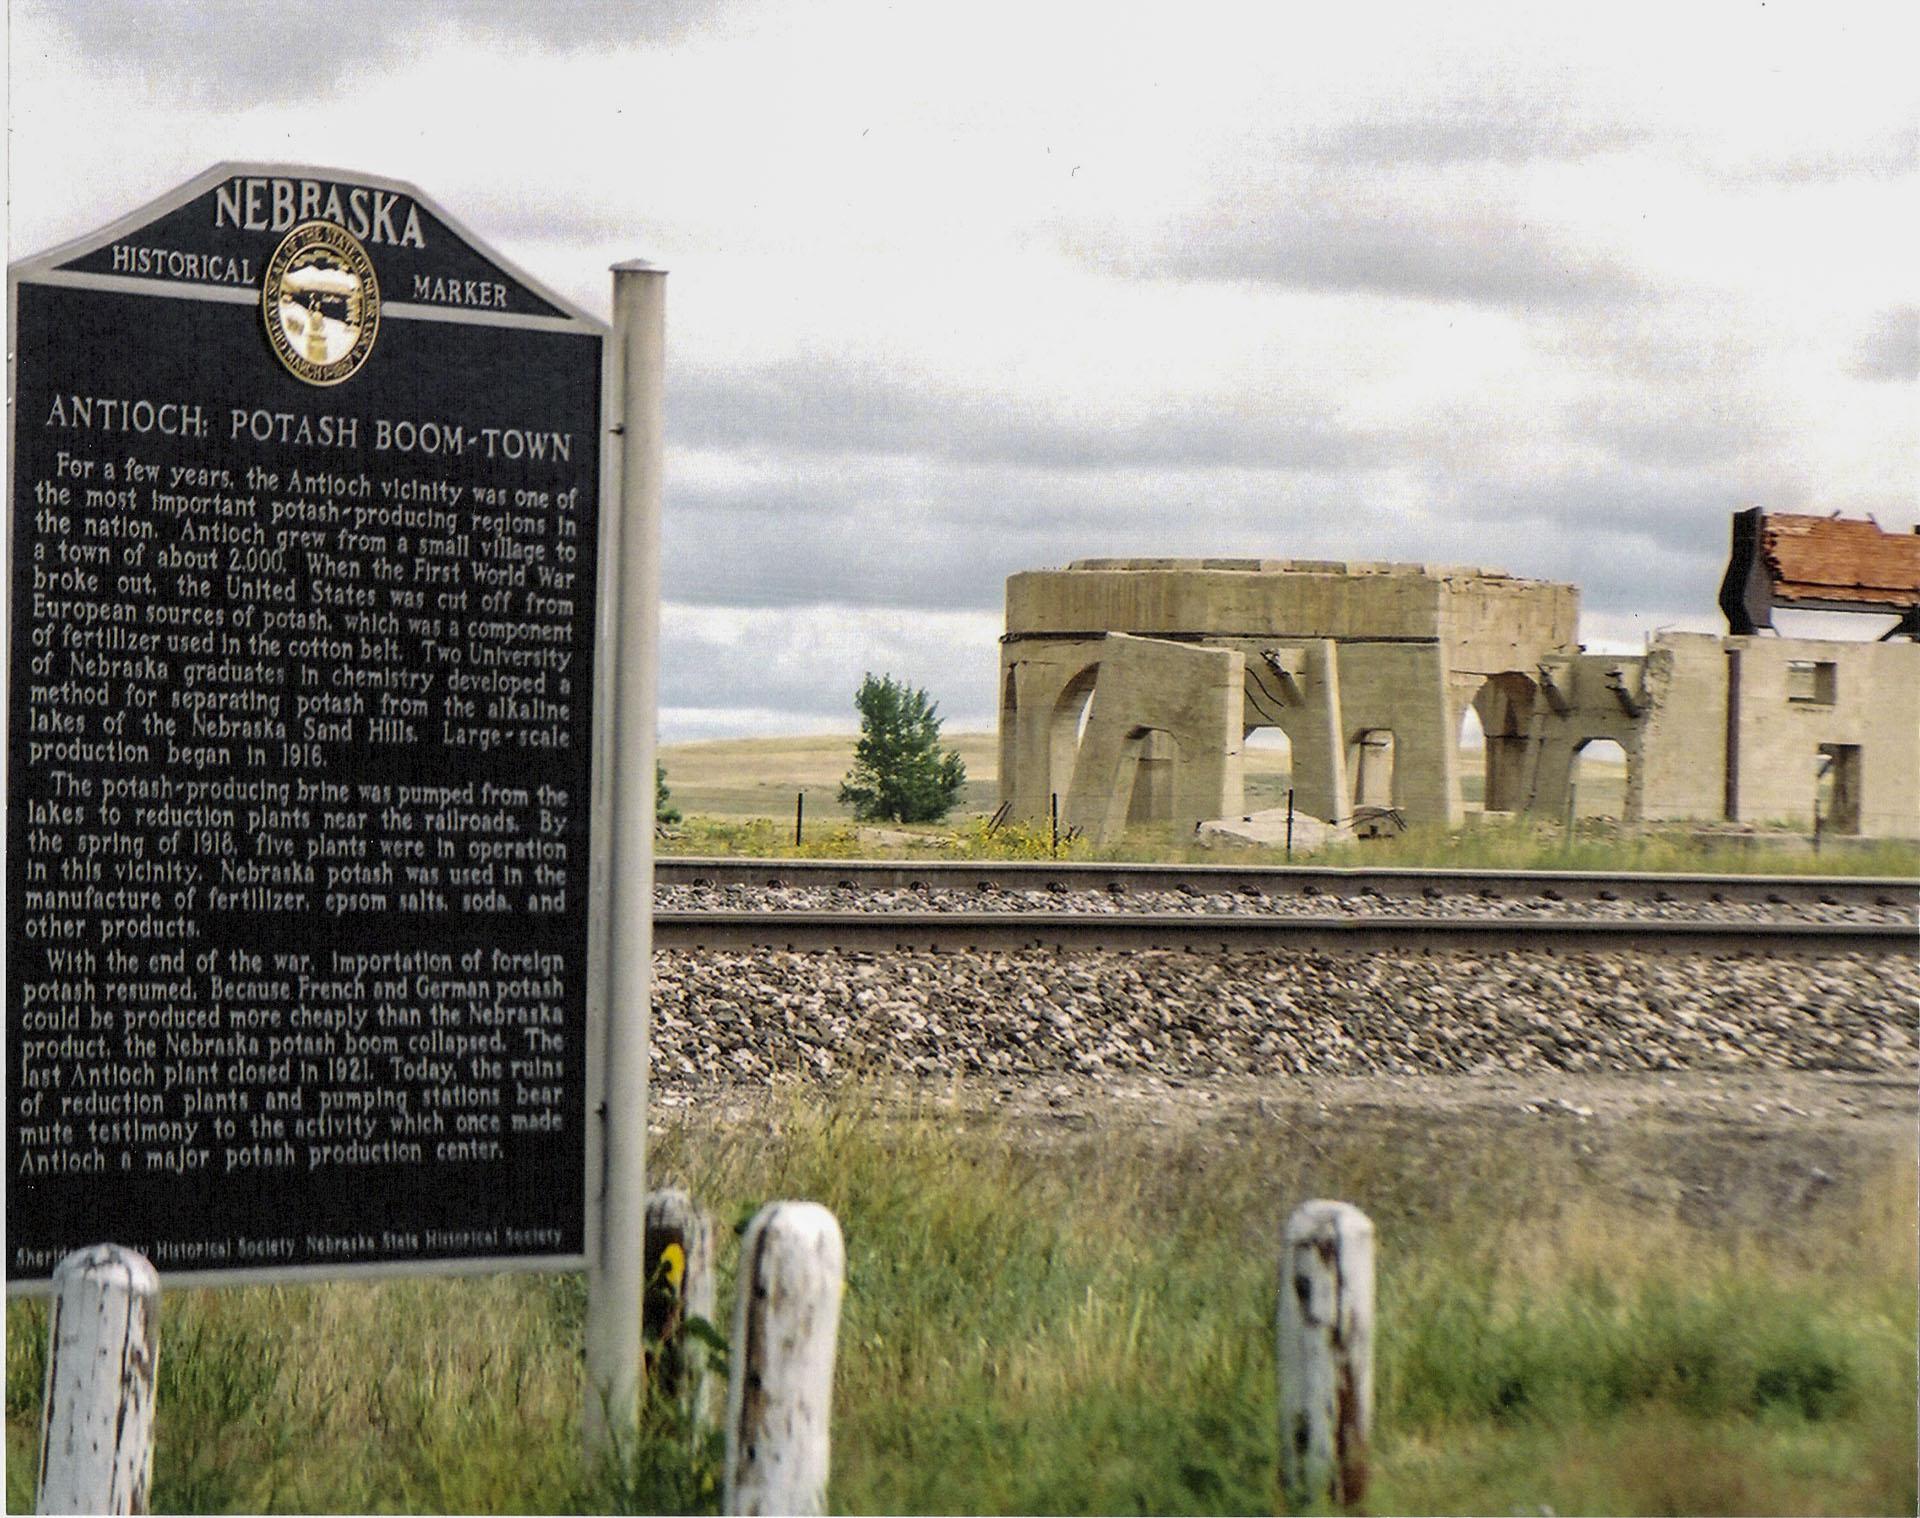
(1371, 764)
(1597, 784)
(1837, 789)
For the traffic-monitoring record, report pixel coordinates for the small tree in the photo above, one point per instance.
(663, 808)
(900, 773)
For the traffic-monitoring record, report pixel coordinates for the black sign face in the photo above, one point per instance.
(305, 514)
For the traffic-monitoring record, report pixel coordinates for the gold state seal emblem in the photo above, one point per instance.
(321, 302)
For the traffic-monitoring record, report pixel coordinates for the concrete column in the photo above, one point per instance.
(1009, 724)
(1043, 759)
(1426, 772)
(1194, 695)
(1402, 687)
(1317, 735)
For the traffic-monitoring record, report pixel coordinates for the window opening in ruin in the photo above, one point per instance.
(1470, 743)
(1837, 788)
(1371, 764)
(1267, 763)
(1813, 681)
(1598, 782)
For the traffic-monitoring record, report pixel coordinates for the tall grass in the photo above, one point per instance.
(1044, 1318)
(1600, 845)
(1516, 844)
(739, 799)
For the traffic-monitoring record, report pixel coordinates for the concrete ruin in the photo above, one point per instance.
(1129, 688)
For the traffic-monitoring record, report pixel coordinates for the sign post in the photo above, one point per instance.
(308, 748)
(614, 1284)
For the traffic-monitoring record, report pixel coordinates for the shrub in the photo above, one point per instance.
(900, 772)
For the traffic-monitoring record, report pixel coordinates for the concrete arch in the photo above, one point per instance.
(1009, 730)
(1504, 705)
(1582, 789)
(1067, 725)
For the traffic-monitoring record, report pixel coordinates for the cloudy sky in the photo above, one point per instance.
(963, 290)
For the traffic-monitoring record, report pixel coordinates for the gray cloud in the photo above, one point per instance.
(780, 556)
(822, 409)
(947, 536)
(242, 52)
(1888, 155)
(1715, 424)
(1891, 348)
(1464, 131)
(823, 540)
(1629, 537)
(951, 542)
(1339, 235)
(792, 668)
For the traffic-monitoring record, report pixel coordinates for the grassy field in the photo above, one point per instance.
(738, 798)
(1079, 1319)
(757, 777)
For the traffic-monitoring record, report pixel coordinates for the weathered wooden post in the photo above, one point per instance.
(679, 1276)
(780, 1395)
(1326, 1355)
(96, 1427)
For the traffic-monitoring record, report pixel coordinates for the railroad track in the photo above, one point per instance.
(1568, 886)
(882, 932)
(883, 905)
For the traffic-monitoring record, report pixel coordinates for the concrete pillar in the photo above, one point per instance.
(1043, 756)
(1009, 723)
(1196, 696)
(1033, 691)
(1402, 688)
(1504, 704)
(1317, 733)
(1152, 787)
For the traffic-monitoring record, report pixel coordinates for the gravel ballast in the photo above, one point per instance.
(761, 1015)
(1547, 903)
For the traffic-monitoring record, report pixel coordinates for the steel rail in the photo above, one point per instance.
(1279, 880)
(1213, 932)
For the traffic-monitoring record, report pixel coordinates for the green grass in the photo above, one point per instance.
(742, 778)
(1522, 844)
(1082, 1322)
(738, 797)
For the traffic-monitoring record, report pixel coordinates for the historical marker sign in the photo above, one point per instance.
(306, 505)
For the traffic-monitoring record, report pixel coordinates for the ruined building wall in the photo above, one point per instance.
(1129, 688)
(1111, 682)
(1857, 702)
(1736, 729)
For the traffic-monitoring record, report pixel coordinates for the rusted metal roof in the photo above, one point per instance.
(1839, 559)
(1827, 563)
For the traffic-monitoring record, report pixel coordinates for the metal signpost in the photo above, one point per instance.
(309, 869)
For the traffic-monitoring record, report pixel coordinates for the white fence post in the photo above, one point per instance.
(96, 1426)
(679, 1276)
(780, 1395)
(1326, 1355)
